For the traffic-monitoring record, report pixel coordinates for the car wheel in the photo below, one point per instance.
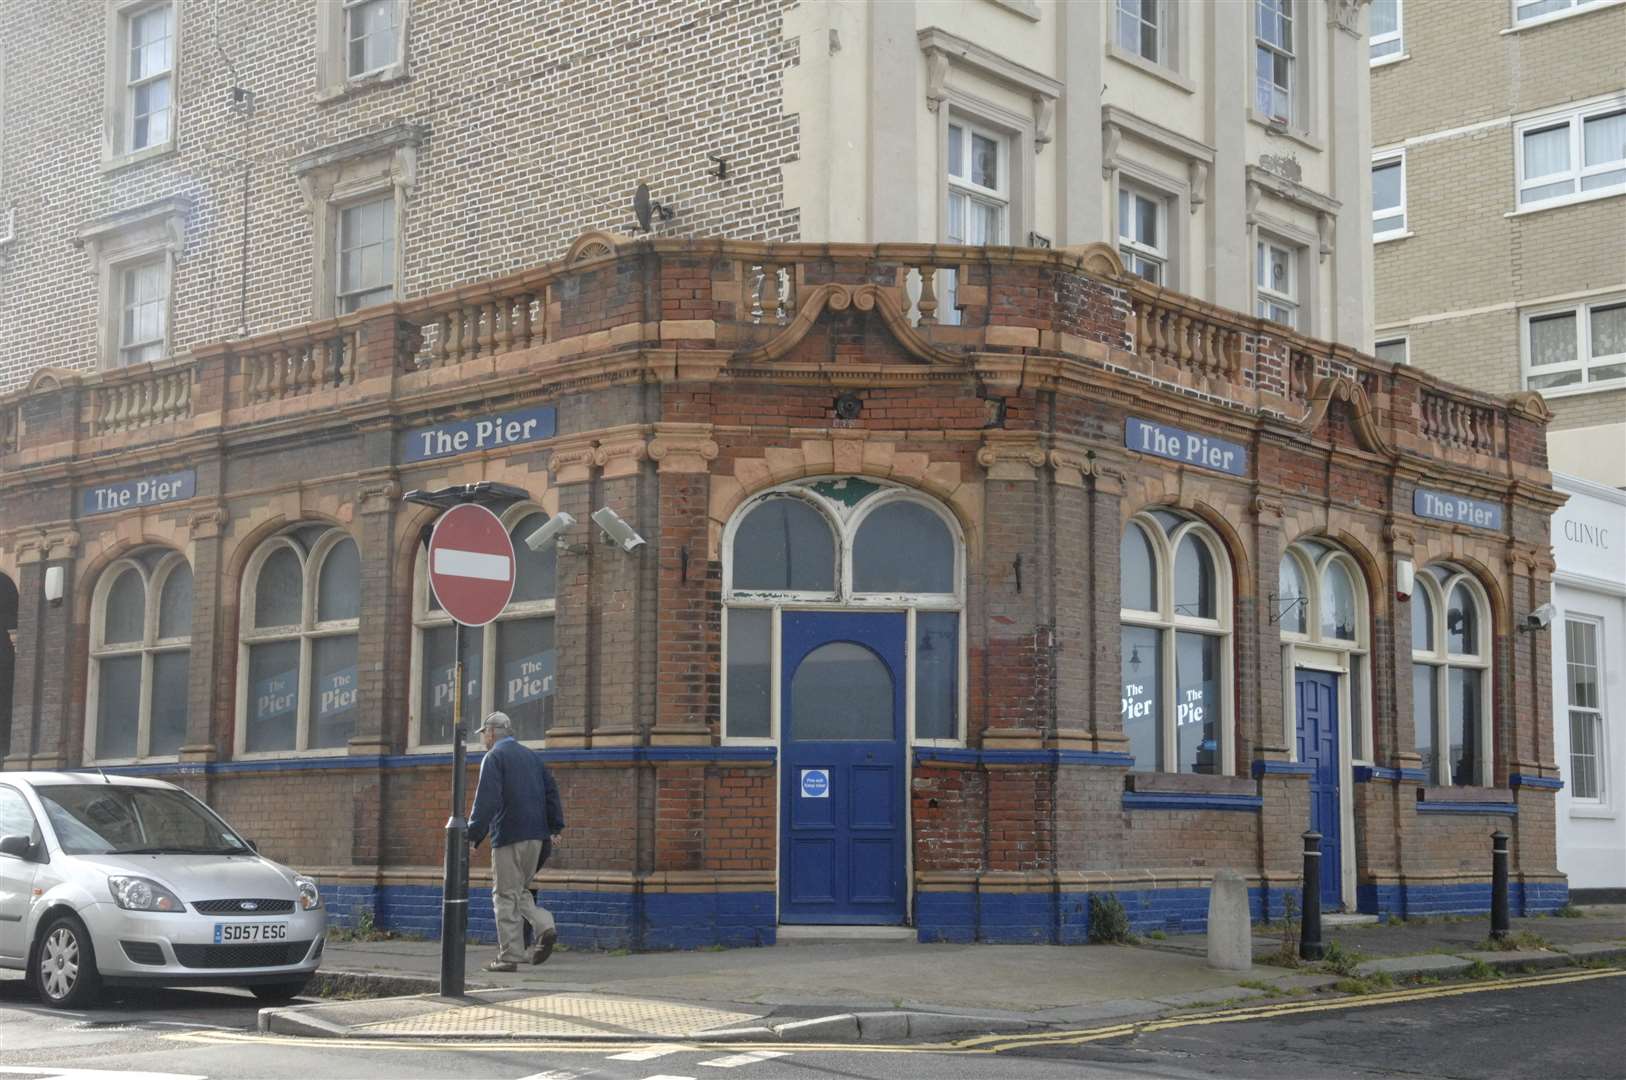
(277, 993)
(65, 965)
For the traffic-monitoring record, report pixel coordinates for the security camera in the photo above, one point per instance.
(551, 530)
(1539, 619)
(615, 530)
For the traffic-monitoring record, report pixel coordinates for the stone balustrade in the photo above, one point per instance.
(653, 297)
(128, 401)
(295, 367)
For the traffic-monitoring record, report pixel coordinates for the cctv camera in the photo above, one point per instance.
(1539, 619)
(551, 530)
(615, 530)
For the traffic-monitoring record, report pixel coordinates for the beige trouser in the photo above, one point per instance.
(513, 865)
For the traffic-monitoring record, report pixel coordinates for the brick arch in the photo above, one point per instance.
(1231, 541)
(93, 569)
(242, 549)
(1357, 548)
(844, 457)
(1496, 595)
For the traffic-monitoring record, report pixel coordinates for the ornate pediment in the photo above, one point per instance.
(1362, 421)
(862, 298)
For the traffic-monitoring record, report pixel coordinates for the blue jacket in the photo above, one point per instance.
(516, 798)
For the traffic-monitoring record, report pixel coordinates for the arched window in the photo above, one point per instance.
(1451, 676)
(1321, 606)
(509, 664)
(1175, 642)
(140, 658)
(296, 673)
(842, 542)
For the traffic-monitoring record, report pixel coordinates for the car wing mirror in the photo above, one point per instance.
(254, 846)
(19, 846)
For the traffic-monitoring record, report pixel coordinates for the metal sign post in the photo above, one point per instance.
(472, 571)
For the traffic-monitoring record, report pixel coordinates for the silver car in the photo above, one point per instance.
(118, 881)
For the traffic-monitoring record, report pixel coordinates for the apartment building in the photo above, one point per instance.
(1499, 207)
(175, 173)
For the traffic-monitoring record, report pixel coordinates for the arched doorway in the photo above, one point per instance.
(843, 645)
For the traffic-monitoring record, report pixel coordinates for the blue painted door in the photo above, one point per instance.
(841, 851)
(1318, 748)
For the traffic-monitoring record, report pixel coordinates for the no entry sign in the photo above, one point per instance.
(471, 564)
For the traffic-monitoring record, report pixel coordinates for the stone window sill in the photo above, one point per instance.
(361, 84)
(1156, 71)
(1303, 138)
(145, 154)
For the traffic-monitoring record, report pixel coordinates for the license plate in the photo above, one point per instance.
(228, 932)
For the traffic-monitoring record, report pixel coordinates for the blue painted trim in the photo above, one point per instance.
(1546, 783)
(1180, 800)
(1426, 807)
(1281, 768)
(1367, 773)
(927, 754)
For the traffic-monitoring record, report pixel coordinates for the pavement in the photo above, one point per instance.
(860, 985)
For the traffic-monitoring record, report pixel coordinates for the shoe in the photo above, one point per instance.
(502, 965)
(544, 947)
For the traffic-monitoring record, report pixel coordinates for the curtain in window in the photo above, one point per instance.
(1547, 153)
(1552, 340)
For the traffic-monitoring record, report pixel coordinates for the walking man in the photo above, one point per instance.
(517, 802)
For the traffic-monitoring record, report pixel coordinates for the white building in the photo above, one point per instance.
(1589, 687)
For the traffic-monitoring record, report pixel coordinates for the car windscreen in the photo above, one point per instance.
(109, 819)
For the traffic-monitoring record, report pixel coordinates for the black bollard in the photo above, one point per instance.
(1498, 885)
(1310, 947)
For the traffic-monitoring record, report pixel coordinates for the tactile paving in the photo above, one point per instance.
(566, 1014)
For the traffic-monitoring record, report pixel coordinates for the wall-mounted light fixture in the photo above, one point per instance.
(1405, 578)
(53, 585)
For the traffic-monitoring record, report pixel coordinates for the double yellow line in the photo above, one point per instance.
(985, 1044)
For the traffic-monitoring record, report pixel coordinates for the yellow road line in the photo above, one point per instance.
(985, 1044)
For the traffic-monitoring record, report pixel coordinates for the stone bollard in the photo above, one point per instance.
(1230, 930)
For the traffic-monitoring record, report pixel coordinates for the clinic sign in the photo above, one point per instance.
(145, 491)
(1186, 447)
(483, 433)
(1457, 509)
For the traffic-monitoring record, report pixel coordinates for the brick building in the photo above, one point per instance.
(978, 580)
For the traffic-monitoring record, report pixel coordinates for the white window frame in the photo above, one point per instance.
(333, 77)
(340, 296)
(1168, 623)
(1574, 118)
(1403, 340)
(306, 633)
(1584, 360)
(1159, 24)
(1397, 35)
(1575, 7)
(1400, 232)
(1443, 660)
(1265, 296)
(119, 129)
(148, 649)
(1313, 556)
(1600, 797)
(1132, 250)
(1295, 57)
(425, 619)
(999, 197)
(122, 277)
(845, 523)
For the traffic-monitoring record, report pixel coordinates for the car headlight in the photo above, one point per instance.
(142, 894)
(310, 898)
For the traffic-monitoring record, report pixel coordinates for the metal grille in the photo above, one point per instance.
(235, 907)
(143, 952)
(242, 956)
